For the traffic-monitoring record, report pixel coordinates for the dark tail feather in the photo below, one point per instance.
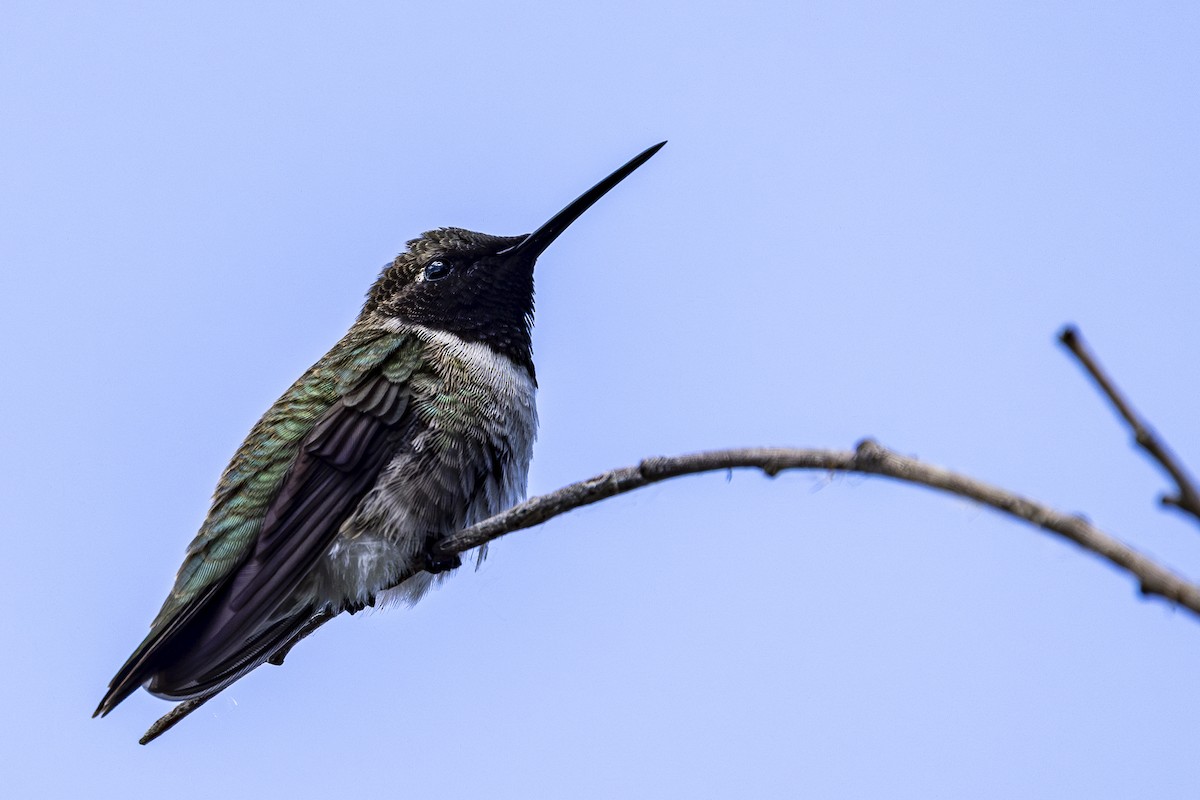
(154, 650)
(201, 671)
(118, 690)
(183, 661)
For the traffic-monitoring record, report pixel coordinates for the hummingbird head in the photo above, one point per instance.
(476, 286)
(461, 282)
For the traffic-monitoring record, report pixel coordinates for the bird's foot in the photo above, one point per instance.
(436, 562)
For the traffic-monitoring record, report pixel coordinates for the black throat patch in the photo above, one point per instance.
(463, 283)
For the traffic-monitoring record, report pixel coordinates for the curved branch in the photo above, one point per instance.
(868, 458)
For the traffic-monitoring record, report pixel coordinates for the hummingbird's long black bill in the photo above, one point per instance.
(539, 240)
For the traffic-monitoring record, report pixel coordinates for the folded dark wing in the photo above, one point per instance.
(239, 622)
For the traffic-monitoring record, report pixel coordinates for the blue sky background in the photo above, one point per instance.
(871, 219)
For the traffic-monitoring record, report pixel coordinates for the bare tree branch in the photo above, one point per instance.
(868, 458)
(1188, 498)
(171, 718)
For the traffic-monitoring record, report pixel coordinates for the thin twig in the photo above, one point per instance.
(868, 458)
(172, 718)
(1188, 498)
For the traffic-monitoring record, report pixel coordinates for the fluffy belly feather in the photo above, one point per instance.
(467, 460)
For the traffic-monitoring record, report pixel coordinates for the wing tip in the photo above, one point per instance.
(118, 691)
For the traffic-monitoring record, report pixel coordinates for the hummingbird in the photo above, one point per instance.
(420, 421)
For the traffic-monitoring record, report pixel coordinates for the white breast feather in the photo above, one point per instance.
(358, 566)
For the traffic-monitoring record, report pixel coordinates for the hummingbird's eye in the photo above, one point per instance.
(437, 269)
